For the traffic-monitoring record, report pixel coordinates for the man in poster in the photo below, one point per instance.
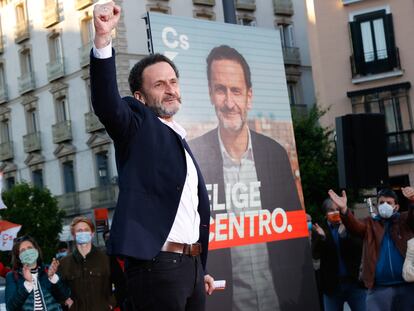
(234, 158)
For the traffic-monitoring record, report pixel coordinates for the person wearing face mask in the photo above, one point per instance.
(86, 271)
(30, 286)
(62, 250)
(340, 257)
(384, 248)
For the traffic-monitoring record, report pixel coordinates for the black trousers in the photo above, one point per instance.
(168, 282)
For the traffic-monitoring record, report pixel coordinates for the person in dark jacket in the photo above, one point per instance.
(340, 257)
(86, 271)
(29, 286)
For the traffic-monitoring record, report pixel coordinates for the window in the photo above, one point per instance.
(55, 48)
(31, 121)
(373, 43)
(68, 177)
(293, 100)
(10, 182)
(102, 168)
(25, 62)
(37, 178)
(61, 109)
(5, 131)
(20, 13)
(286, 35)
(393, 102)
(86, 31)
(3, 85)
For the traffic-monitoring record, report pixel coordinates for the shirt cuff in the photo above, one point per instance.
(28, 286)
(105, 52)
(54, 279)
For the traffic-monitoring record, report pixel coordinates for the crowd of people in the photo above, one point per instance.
(366, 263)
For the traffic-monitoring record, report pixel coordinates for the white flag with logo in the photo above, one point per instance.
(8, 232)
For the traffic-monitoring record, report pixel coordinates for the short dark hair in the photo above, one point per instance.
(327, 205)
(135, 78)
(387, 193)
(16, 263)
(224, 52)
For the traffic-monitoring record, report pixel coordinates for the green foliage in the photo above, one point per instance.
(317, 159)
(38, 213)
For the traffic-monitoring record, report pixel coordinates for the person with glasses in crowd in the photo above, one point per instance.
(30, 285)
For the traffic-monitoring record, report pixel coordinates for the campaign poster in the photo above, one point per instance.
(236, 112)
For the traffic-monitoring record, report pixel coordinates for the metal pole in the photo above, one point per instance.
(229, 12)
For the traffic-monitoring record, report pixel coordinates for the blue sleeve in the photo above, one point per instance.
(16, 294)
(113, 111)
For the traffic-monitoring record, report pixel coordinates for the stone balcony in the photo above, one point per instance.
(55, 69)
(21, 31)
(51, 14)
(69, 202)
(92, 123)
(6, 151)
(31, 142)
(26, 82)
(103, 196)
(81, 4)
(205, 2)
(62, 131)
(4, 94)
(291, 56)
(249, 5)
(283, 7)
(84, 52)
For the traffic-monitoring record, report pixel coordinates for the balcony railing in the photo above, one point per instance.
(84, 52)
(376, 62)
(26, 82)
(80, 4)
(103, 196)
(6, 151)
(62, 131)
(55, 69)
(205, 2)
(283, 7)
(51, 14)
(4, 94)
(399, 143)
(69, 202)
(92, 123)
(22, 31)
(31, 142)
(291, 55)
(249, 5)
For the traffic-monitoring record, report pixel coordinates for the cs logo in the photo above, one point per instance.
(172, 40)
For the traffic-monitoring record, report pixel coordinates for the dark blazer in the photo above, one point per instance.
(325, 250)
(290, 260)
(151, 166)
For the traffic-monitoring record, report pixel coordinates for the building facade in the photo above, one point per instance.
(362, 63)
(49, 135)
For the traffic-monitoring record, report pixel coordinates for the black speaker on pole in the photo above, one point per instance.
(362, 150)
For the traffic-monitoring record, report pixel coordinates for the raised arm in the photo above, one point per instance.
(114, 113)
(352, 224)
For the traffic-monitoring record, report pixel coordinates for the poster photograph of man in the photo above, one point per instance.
(237, 115)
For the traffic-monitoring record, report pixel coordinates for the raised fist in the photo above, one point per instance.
(105, 19)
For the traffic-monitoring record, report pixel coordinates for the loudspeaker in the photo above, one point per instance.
(362, 150)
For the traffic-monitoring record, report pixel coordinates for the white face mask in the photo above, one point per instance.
(385, 210)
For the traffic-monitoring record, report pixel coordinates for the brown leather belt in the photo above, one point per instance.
(185, 249)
